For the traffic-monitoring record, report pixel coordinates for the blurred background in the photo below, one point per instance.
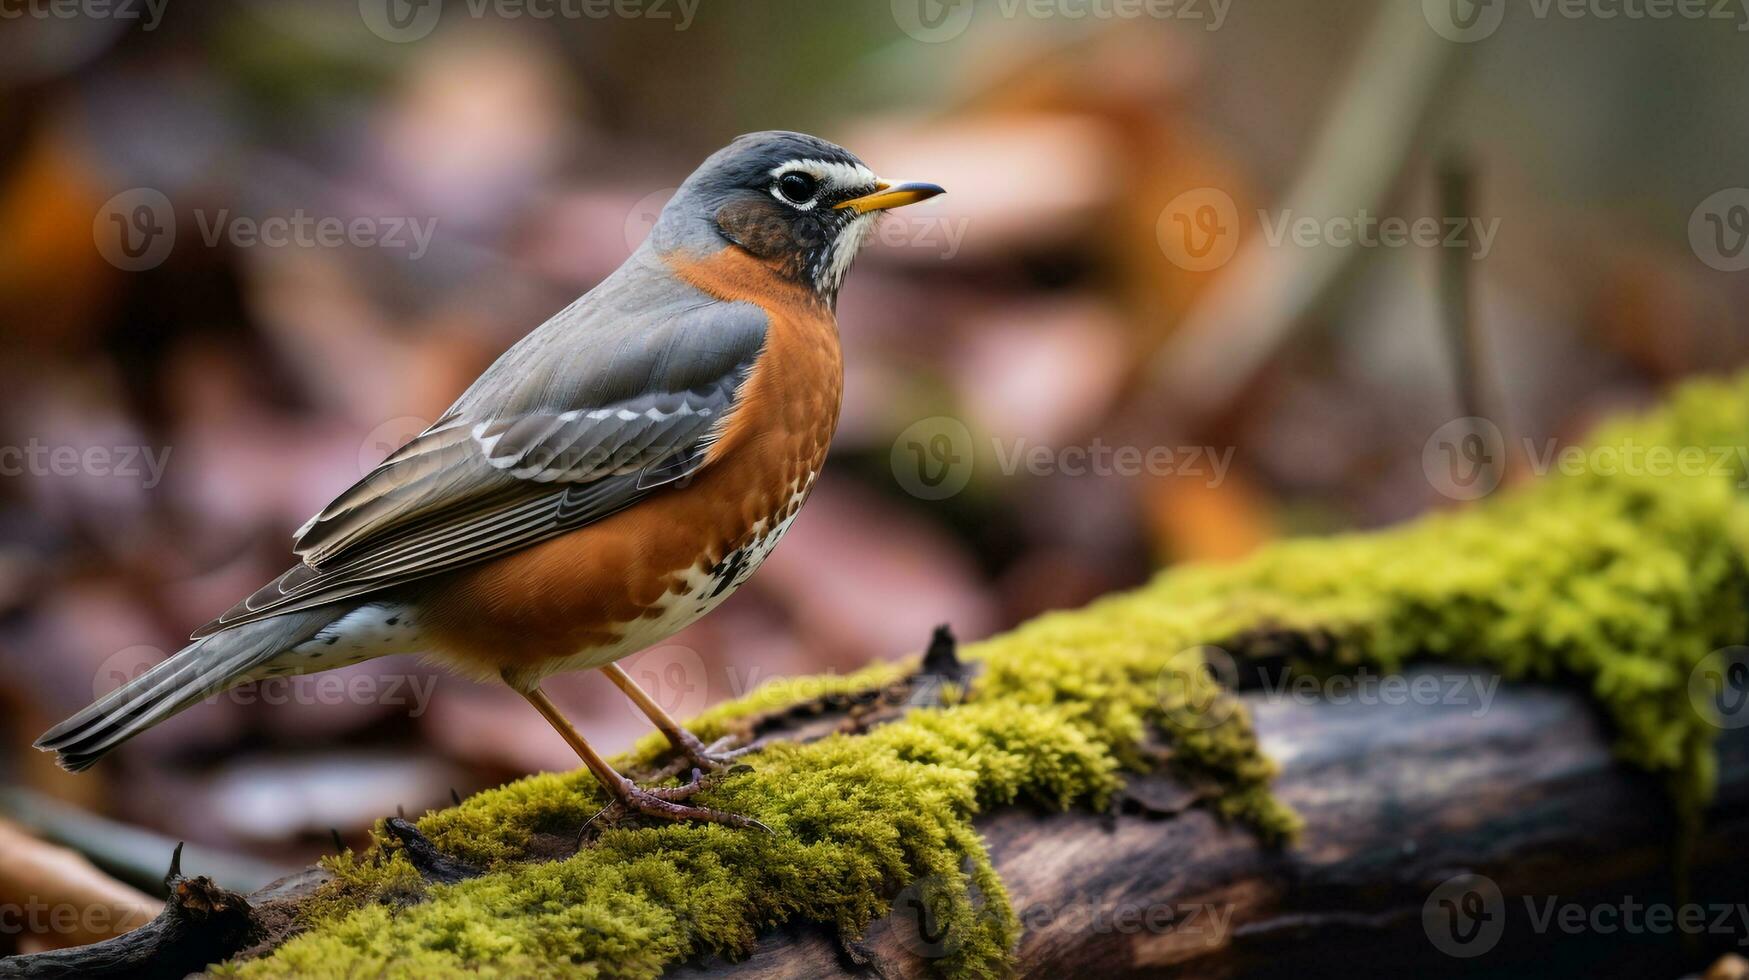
(1180, 300)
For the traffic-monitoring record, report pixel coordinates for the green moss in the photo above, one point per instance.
(1621, 578)
(1619, 582)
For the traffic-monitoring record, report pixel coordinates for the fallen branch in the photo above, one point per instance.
(1398, 800)
(1525, 793)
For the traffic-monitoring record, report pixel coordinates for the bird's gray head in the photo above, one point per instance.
(797, 202)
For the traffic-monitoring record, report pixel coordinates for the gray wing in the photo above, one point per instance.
(579, 420)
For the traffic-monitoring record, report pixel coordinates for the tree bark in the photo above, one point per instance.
(1399, 800)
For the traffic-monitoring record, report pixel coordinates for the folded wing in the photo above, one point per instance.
(579, 420)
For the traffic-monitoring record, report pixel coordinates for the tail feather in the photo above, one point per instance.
(203, 668)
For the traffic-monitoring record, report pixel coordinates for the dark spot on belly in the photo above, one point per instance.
(333, 640)
(392, 620)
(728, 571)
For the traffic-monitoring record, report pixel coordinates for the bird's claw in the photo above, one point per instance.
(668, 803)
(717, 756)
(713, 758)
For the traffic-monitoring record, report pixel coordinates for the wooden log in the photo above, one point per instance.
(1410, 808)
(1441, 837)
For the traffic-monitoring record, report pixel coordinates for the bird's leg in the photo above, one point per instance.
(717, 755)
(664, 802)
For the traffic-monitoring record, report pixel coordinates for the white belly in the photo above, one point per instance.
(376, 629)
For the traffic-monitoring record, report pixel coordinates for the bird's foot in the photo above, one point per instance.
(719, 755)
(668, 803)
(694, 754)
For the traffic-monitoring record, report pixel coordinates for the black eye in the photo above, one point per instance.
(797, 186)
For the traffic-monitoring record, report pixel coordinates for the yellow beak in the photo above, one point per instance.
(892, 194)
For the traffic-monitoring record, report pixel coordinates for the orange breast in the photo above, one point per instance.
(590, 590)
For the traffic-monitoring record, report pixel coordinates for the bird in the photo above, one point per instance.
(612, 477)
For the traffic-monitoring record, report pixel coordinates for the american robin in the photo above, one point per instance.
(610, 479)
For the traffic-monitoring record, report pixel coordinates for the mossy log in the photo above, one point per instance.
(1526, 794)
(1538, 805)
(1093, 753)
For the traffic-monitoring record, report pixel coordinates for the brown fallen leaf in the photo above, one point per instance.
(55, 898)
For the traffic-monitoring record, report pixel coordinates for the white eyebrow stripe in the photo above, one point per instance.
(838, 176)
